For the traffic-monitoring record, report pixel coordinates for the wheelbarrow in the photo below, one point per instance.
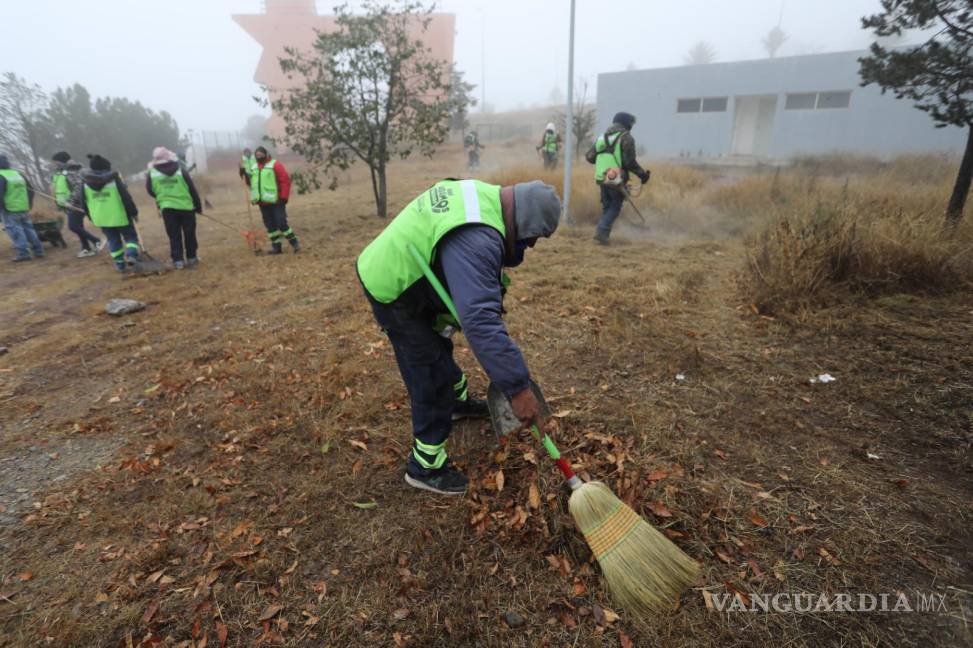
(49, 230)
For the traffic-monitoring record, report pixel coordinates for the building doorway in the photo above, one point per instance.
(753, 124)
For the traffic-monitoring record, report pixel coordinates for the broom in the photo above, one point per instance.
(645, 571)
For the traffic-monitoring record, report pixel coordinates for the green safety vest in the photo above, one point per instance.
(62, 191)
(387, 268)
(15, 200)
(171, 192)
(248, 164)
(105, 206)
(605, 158)
(263, 183)
(550, 142)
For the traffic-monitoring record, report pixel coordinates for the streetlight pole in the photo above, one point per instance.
(569, 125)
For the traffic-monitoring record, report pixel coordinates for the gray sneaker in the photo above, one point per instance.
(445, 481)
(178, 265)
(192, 263)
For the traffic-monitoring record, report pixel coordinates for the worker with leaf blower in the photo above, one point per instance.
(106, 200)
(16, 199)
(270, 188)
(66, 179)
(175, 194)
(463, 233)
(613, 155)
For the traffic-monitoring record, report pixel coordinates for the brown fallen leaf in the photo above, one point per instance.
(567, 620)
(358, 444)
(723, 557)
(270, 612)
(499, 479)
(150, 612)
(719, 453)
(625, 640)
(659, 509)
(533, 496)
(222, 632)
(801, 529)
(154, 576)
(400, 614)
(828, 557)
(656, 475)
(756, 518)
(25, 576)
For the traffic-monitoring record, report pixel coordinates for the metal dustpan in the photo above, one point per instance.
(502, 412)
(147, 264)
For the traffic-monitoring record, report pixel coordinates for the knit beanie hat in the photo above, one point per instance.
(62, 157)
(537, 210)
(625, 119)
(98, 163)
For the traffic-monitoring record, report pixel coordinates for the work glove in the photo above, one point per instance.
(645, 176)
(527, 409)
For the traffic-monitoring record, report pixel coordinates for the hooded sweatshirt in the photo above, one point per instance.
(5, 164)
(170, 169)
(98, 179)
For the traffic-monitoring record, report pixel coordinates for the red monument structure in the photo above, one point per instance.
(295, 23)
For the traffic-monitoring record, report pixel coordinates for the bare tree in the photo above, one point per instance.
(26, 132)
(370, 91)
(583, 118)
(700, 54)
(774, 40)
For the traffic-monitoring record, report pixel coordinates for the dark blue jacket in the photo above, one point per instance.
(469, 261)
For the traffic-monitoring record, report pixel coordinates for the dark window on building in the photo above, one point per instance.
(841, 99)
(800, 101)
(688, 105)
(714, 104)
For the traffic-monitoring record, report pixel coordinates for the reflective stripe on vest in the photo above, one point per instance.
(263, 184)
(550, 142)
(171, 192)
(62, 191)
(605, 158)
(387, 268)
(105, 205)
(15, 199)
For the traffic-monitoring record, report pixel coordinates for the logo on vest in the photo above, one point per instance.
(439, 199)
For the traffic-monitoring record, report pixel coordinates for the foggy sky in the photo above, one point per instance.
(188, 57)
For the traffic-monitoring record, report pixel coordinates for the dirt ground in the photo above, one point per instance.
(225, 467)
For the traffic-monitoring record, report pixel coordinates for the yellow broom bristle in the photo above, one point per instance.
(645, 571)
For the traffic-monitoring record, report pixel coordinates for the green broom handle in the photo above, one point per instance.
(545, 440)
(434, 281)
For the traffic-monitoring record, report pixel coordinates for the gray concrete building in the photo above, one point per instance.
(769, 108)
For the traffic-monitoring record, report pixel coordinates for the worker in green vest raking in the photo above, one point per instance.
(270, 188)
(66, 179)
(16, 198)
(613, 155)
(175, 194)
(105, 199)
(550, 146)
(465, 232)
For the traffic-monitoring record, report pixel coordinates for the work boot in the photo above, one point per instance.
(445, 481)
(601, 238)
(470, 408)
(295, 244)
(276, 249)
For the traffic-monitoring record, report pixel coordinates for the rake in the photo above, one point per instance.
(645, 571)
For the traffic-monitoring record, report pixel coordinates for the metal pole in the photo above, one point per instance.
(569, 125)
(482, 61)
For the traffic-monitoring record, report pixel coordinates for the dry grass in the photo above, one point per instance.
(815, 239)
(255, 403)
